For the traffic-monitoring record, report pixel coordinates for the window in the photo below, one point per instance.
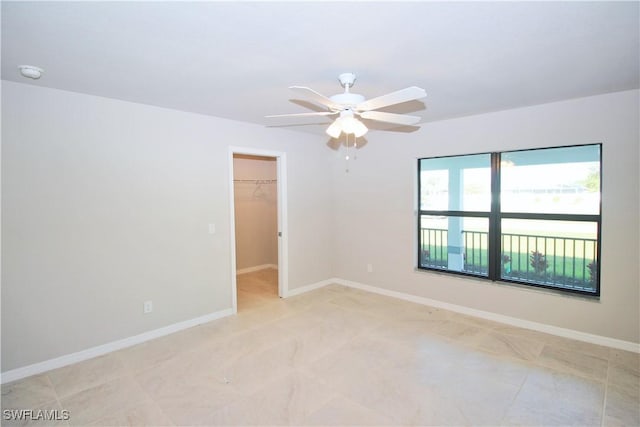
(530, 217)
(455, 206)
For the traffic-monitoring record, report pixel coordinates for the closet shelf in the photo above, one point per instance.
(257, 181)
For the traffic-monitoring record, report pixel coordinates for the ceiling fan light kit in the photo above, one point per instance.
(334, 129)
(348, 124)
(349, 105)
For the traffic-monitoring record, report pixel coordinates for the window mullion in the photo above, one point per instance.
(494, 220)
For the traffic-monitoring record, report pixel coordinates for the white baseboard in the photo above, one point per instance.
(513, 321)
(47, 365)
(90, 353)
(307, 288)
(256, 268)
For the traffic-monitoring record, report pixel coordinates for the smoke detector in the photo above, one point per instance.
(30, 71)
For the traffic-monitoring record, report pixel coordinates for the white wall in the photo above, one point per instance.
(375, 220)
(106, 204)
(256, 211)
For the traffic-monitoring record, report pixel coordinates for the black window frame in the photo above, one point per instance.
(495, 217)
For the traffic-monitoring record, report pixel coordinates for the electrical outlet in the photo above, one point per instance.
(369, 268)
(147, 307)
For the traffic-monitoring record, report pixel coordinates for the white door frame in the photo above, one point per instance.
(283, 246)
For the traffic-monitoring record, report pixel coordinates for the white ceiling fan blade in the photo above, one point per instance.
(400, 96)
(316, 97)
(317, 113)
(399, 119)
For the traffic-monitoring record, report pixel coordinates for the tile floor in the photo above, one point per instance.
(339, 356)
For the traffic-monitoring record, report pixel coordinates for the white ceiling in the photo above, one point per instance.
(236, 59)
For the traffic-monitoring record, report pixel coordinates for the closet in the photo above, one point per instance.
(256, 229)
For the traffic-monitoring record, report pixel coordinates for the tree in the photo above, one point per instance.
(592, 181)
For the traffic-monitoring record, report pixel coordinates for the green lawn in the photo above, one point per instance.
(564, 269)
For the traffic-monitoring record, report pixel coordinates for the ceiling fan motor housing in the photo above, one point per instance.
(348, 99)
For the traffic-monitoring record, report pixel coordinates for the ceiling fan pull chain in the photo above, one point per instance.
(346, 158)
(355, 147)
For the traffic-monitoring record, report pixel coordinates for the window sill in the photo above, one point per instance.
(512, 285)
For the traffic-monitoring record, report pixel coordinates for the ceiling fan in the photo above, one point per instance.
(349, 106)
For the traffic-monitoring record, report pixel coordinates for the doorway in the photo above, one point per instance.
(258, 252)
